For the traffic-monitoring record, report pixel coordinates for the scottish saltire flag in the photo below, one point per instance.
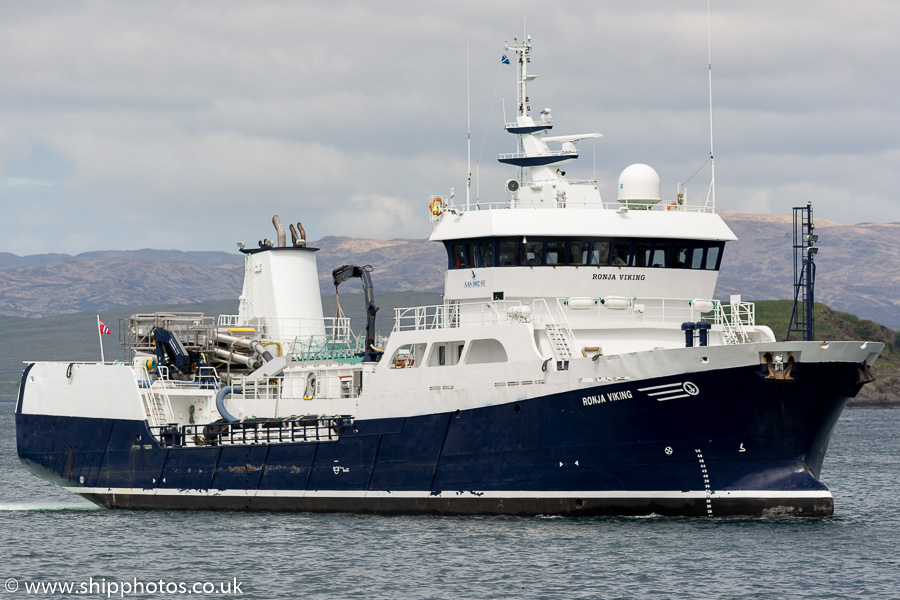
(103, 328)
(505, 60)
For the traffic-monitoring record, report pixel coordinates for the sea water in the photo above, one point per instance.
(54, 538)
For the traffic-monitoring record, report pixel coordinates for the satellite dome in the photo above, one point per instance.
(639, 186)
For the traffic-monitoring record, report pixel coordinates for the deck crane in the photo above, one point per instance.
(341, 274)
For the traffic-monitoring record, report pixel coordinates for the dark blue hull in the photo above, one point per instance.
(738, 444)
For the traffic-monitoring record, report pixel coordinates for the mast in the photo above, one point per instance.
(468, 135)
(523, 57)
(805, 249)
(711, 196)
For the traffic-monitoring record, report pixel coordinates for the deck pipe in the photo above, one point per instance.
(220, 401)
(243, 342)
(232, 356)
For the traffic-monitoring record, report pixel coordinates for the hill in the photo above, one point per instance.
(758, 266)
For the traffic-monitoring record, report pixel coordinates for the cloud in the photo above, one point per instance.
(185, 125)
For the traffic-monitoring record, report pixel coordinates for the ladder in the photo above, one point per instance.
(729, 333)
(155, 403)
(559, 341)
(729, 315)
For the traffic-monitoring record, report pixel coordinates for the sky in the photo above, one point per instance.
(187, 125)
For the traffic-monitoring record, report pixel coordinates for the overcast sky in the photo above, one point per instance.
(187, 125)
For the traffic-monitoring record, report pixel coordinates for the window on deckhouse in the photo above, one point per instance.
(547, 251)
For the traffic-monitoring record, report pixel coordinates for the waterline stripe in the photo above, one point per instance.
(454, 494)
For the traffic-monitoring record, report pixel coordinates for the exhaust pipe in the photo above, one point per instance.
(302, 241)
(279, 229)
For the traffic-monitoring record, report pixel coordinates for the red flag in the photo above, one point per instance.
(103, 328)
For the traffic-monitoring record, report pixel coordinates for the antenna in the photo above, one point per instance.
(468, 132)
(477, 193)
(711, 196)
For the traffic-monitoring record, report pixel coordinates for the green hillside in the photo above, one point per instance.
(833, 325)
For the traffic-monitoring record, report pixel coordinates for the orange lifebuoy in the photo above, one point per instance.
(437, 206)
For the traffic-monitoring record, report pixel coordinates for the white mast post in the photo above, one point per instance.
(100, 335)
(711, 196)
(468, 133)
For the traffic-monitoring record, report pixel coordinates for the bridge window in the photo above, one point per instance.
(659, 256)
(458, 257)
(584, 252)
(472, 255)
(578, 253)
(509, 254)
(712, 258)
(642, 254)
(533, 254)
(600, 253)
(486, 253)
(556, 252)
(621, 254)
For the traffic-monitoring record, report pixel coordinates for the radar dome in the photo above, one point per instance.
(639, 186)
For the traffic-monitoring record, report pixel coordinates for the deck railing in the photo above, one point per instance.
(563, 313)
(571, 203)
(253, 431)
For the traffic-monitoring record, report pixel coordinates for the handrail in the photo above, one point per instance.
(644, 310)
(510, 155)
(514, 203)
(335, 326)
(735, 318)
(155, 397)
(252, 431)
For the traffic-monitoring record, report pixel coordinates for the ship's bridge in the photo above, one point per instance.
(534, 253)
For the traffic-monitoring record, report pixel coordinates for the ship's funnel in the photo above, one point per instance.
(281, 296)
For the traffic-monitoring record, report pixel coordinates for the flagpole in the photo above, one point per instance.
(100, 334)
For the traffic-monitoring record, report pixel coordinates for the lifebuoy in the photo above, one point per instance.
(437, 206)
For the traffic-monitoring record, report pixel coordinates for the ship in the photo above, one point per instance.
(578, 365)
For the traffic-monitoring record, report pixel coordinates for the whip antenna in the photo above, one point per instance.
(468, 133)
(711, 195)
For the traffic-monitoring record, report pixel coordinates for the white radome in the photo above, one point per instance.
(639, 186)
